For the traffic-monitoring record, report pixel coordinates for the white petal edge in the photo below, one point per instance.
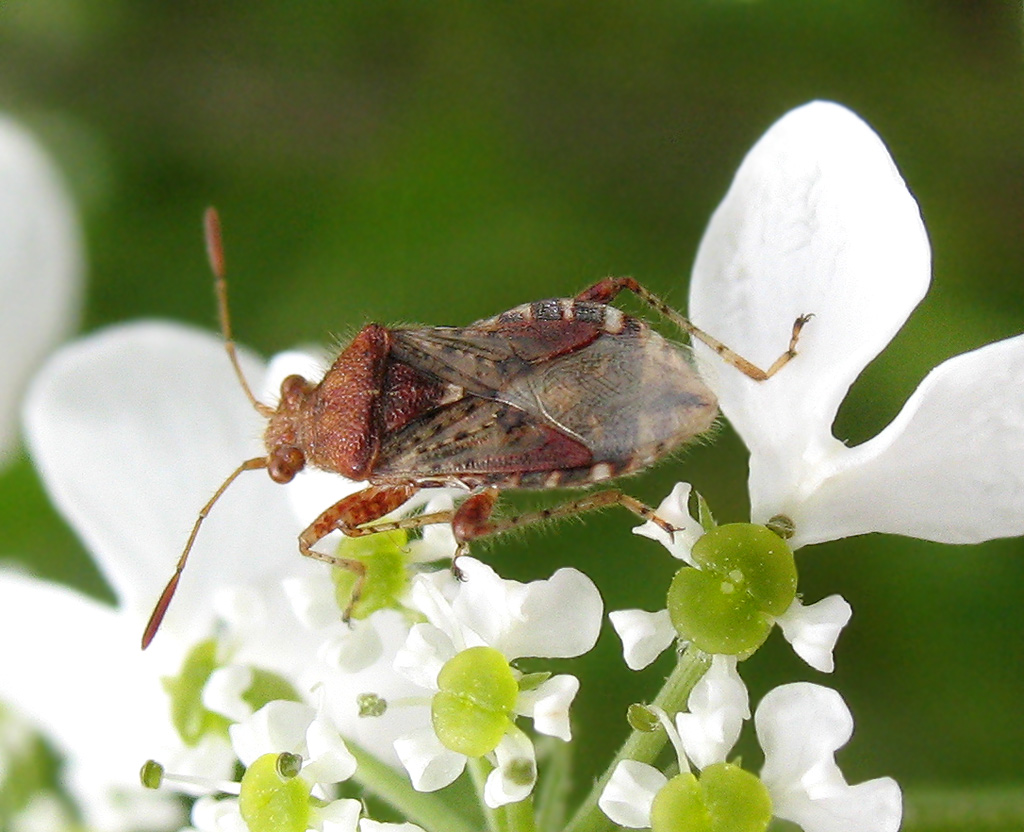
(814, 629)
(800, 727)
(340, 815)
(718, 705)
(430, 765)
(950, 466)
(817, 220)
(675, 510)
(644, 635)
(548, 705)
(559, 617)
(276, 727)
(506, 783)
(330, 761)
(630, 793)
(41, 266)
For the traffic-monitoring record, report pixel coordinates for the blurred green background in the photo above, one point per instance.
(441, 162)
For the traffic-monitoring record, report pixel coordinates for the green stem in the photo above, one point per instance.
(643, 746)
(518, 817)
(478, 771)
(427, 809)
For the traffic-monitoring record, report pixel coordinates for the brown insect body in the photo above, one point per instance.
(561, 392)
(552, 393)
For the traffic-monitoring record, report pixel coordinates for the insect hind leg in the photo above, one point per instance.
(604, 291)
(473, 518)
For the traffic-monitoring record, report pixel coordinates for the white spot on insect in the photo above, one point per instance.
(553, 479)
(568, 307)
(614, 320)
(601, 471)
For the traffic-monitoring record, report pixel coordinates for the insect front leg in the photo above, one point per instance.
(604, 291)
(350, 516)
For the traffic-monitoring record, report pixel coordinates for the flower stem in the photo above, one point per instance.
(643, 746)
(433, 813)
(478, 771)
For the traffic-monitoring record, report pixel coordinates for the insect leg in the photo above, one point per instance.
(473, 518)
(347, 516)
(605, 290)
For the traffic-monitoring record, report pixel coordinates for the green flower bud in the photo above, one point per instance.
(473, 708)
(747, 577)
(642, 718)
(152, 774)
(272, 803)
(370, 704)
(386, 579)
(725, 799)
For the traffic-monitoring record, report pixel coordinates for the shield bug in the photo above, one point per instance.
(554, 393)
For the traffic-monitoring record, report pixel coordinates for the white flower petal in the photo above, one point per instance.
(132, 429)
(223, 691)
(276, 727)
(313, 600)
(644, 635)
(514, 776)
(431, 766)
(339, 815)
(950, 467)
(41, 266)
(548, 705)
(814, 629)
(330, 761)
(555, 618)
(800, 727)
(675, 510)
(367, 825)
(212, 815)
(718, 704)
(432, 595)
(817, 220)
(424, 653)
(629, 795)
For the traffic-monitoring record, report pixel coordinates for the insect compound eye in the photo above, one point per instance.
(285, 462)
(293, 390)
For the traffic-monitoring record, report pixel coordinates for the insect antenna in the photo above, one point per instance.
(165, 597)
(215, 253)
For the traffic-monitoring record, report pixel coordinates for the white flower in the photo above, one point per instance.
(41, 266)
(555, 618)
(812, 630)
(818, 220)
(800, 727)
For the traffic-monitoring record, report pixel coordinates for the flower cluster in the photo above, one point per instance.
(333, 722)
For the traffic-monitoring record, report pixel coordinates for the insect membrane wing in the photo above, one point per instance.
(629, 398)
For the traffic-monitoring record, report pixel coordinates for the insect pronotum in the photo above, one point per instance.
(554, 393)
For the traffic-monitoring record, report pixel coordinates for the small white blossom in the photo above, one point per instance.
(555, 618)
(812, 630)
(800, 726)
